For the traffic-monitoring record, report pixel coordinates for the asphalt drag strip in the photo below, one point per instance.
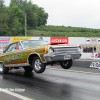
(76, 83)
(6, 94)
(81, 66)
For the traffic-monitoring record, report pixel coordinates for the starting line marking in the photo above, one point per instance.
(74, 71)
(15, 94)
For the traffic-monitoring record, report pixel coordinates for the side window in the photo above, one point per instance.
(15, 46)
(11, 48)
(18, 46)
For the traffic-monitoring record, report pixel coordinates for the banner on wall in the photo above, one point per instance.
(14, 39)
(87, 56)
(92, 40)
(97, 55)
(90, 56)
(59, 40)
(4, 41)
(95, 65)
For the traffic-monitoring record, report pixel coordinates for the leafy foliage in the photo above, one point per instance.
(12, 18)
(62, 31)
(2, 3)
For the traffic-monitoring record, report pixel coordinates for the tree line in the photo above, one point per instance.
(66, 29)
(63, 31)
(12, 18)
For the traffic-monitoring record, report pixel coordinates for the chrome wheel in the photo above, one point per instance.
(37, 64)
(1, 67)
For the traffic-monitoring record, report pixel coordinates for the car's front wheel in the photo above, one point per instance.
(3, 69)
(38, 66)
(66, 64)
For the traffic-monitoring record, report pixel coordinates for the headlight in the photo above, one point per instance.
(51, 50)
(80, 48)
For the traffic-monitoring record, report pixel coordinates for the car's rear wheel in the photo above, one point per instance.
(66, 64)
(37, 65)
(3, 69)
(28, 68)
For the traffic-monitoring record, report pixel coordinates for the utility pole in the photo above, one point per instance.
(25, 24)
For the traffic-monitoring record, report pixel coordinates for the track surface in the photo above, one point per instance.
(54, 84)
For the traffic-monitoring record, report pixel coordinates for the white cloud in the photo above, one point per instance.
(77, 13)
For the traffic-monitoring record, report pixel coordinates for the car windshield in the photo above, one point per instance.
(32, 43)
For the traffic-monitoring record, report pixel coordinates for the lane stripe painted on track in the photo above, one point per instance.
(15, 94)
(73, 71)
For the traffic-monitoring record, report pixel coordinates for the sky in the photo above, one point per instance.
(75, 13)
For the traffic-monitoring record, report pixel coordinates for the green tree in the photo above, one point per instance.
(36, 16)
(2, 3)
(12, 18)
(16, 20)
(16, 2)
(42, 17)
(3, 21)
(16, 27)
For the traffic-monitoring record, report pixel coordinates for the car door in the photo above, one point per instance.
(13, 55)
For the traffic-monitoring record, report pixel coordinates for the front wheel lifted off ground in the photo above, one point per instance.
(3, 69)
(66, 64)
(37, 65)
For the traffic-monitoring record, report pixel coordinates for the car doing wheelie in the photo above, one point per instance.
(35, 55)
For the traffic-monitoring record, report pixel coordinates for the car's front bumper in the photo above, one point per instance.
(61, 57)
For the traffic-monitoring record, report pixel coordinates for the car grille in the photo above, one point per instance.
(67, 50)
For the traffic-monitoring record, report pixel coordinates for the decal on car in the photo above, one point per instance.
(13, 57)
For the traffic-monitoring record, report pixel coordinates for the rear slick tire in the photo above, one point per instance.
(3, 69)
(37, 65)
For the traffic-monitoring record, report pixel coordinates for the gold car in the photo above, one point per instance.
(35, 55)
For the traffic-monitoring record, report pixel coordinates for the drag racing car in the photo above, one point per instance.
(35, 55)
